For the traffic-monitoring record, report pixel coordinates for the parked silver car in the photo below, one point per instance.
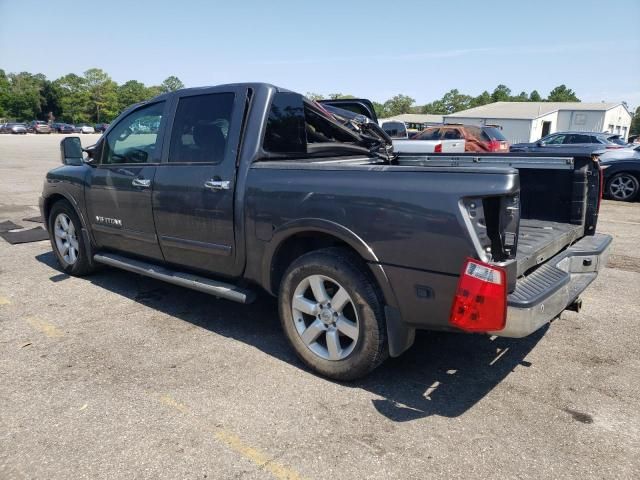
(15, 128)
(572, 142)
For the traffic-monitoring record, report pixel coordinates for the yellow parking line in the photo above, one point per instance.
(235, 443)
(45, 327)
(4, 301)
(260, 458)
(170, 402)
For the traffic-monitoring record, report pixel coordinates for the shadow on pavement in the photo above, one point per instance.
(442, 374)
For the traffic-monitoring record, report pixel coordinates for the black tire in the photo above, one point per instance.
(83, 265)
(349, 272)
(623, 186)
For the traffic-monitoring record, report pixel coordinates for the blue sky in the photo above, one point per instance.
(371, 48)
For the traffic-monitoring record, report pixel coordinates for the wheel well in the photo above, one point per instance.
(49, 202)
(297, 245)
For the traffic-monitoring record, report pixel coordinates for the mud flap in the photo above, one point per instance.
(400, 335)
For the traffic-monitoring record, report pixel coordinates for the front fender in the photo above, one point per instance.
(66, 182)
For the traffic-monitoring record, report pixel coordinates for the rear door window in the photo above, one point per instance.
(577, 138)
(429, 134)
(494, 133)
(451, 134)
(555, 139)
(298, 127)
(476, 133)
(201, 128)
(285, 131)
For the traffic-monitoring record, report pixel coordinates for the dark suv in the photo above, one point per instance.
(477, 139)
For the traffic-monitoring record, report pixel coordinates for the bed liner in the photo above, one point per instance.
(539, 240)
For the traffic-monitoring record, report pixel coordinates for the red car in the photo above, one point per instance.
(477, 139)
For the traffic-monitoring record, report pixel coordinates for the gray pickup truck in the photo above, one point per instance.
(234, 188)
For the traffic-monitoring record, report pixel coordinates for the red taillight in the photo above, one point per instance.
(494, 146)
(438, 148)
(480, 302)
(613, 147)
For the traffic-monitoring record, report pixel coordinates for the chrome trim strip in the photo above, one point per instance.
(194, 245)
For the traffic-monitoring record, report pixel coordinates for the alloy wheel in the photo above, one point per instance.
(325, 317)
(623, 187)
(66, 240)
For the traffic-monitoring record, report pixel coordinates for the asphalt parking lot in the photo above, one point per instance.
(120, 376)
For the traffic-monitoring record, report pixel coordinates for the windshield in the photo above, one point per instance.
(395, 129)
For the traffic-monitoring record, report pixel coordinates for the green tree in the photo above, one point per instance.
(25, 100)
(482, 99)
(437, 107)
(74, 98)
(154, 91)
(502, 93)
(52, 95)
(314, 96)
(5, 92)
(132, 92)
(337, 96)
(381, 112)
(398, 104)
(521, 97)
(562, 94)
(635, 123)
(102, 94)
(171, 84)
(454, 101)
(534, 96)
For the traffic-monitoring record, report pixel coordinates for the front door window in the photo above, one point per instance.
(135, 138)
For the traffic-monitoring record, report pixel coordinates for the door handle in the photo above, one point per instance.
(141, 182)
(217, 184)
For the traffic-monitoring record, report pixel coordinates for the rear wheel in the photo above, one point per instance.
(623, 186)
(65, 232)
(332, 314)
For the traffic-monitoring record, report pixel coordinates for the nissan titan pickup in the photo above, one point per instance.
(235, 188)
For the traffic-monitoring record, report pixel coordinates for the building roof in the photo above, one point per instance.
(415, 118)
(528, 110)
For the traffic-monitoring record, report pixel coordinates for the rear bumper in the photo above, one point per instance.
(541, 296)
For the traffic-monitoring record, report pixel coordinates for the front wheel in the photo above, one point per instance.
(623, 186)
(65, 232)
(332, 314)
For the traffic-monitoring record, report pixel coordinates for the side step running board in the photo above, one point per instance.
(187, 280)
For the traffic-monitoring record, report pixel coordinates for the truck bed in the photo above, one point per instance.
(557, 199)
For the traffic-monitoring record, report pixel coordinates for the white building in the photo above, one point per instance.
(530, 121)
(415, 120)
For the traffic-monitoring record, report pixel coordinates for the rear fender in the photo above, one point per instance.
(400, 336)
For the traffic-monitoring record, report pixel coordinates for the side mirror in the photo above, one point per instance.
(71, 151)
(540, 143)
